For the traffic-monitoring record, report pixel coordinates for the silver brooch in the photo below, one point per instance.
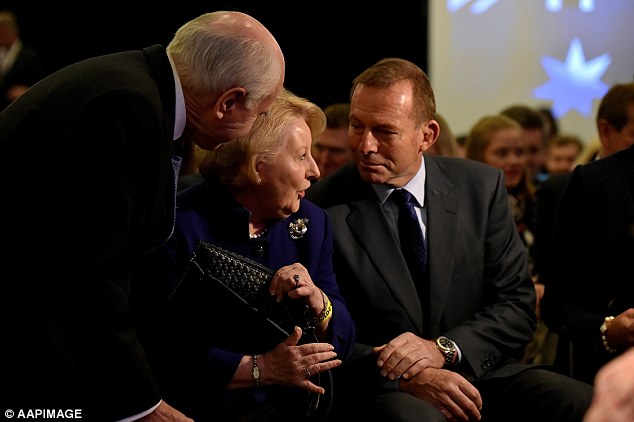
(298, 228)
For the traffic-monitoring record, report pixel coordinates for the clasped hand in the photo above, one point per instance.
(417, 363)
(294, 281)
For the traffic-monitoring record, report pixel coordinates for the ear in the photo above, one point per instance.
(604, 128)
(430, 134)
(229, 101)
(259, 165)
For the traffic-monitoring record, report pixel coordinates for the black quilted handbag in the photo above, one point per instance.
(240, 286)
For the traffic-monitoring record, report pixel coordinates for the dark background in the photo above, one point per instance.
(325, 43)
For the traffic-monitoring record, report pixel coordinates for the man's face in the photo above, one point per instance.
(535, 153)
(332, 150)
(561, 158)
(211, 122)
(384, 137)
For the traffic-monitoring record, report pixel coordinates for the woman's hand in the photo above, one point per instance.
(294, 282)
(293, 365)
(620, 332)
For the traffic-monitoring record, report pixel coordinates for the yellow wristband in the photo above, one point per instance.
(326, 313)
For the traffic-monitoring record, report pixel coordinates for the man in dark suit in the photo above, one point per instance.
(20, 65)
(444, 346)
(90, 176)
(589, 298)
(615, 128)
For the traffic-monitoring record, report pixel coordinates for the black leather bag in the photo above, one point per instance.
(252, 321)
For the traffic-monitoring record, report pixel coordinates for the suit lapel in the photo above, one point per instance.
(442, 232)
(162, 73)
(367, 223)
(163, 76)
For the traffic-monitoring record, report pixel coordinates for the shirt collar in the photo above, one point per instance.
(9, 55)
(179, 117)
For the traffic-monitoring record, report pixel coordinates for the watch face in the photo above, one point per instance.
(445, 343)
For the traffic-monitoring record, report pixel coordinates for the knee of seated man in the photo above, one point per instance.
(393, 406)
(539, 394)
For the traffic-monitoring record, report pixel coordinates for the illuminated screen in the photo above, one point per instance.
(485, 55)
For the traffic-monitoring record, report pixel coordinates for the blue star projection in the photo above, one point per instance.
(486, 55)
(575, 83)
(479, 6)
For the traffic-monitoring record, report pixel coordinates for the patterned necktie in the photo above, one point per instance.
(411, 235)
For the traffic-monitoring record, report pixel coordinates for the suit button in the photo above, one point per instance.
(258, 251)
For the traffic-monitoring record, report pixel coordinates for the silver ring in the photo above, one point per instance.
(296, 278)
(307, 372)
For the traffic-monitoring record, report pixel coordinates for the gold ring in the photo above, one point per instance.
(306, 372)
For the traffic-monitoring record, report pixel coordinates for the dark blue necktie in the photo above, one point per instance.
(411, 235)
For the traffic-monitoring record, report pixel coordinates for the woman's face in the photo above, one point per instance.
(507, 151)
(284, 182)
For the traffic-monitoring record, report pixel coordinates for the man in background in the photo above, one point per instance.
(589, 295)
(615, 128)
(20, 66)
(534, 134)
(331, 149)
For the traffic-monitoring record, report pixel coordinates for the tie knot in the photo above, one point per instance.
(403, 197)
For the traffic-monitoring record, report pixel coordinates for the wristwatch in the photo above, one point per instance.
(255, 371)
(447, 348)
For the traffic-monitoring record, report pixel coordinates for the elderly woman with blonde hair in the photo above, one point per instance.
(251, 203)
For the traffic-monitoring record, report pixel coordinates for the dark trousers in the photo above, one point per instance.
(535, 394)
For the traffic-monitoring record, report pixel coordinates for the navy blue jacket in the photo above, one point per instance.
(201, 366)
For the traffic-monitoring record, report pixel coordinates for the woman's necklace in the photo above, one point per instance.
(257, 235)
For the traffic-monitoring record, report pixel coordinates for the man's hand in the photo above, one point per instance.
(407, 355)
(613, 399)
(165, 413)
(455, 397)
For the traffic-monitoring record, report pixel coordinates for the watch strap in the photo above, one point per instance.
(255, 370)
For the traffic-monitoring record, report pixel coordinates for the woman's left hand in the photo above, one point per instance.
(294, 282)
(293, 364)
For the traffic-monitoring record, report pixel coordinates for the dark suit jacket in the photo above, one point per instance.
(211, 337)
(549, 195)
(593, 247)
(481, 293)
(27, 69)
(88, 173)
